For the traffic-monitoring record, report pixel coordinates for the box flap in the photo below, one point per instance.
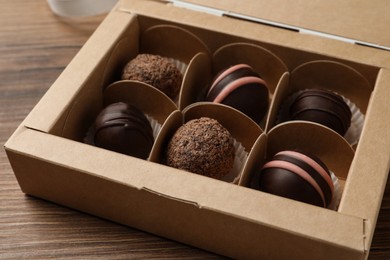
(360, 21)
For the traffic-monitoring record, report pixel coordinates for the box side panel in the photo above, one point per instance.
(43, 170)
(164, 216)
(370, 168)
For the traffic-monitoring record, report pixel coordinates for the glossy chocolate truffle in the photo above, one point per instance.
(322, 106)
(202, 146)
(241, 88)
(123, 128)
(297, 176)
(154, 70)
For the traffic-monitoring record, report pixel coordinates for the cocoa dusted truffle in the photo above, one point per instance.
(123, 128)
(202, 146)
(298, 176)
(154, 70)
(241, 88)
(322, 106)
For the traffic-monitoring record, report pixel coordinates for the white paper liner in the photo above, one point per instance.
(180, 65)
(156, 127)
(89, 136)
(357, 119)
(182, 68)
(337, 192)
(240, 157)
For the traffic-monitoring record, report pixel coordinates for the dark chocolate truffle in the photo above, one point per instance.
(154, 70)
(123, 128)
(241, 88)
(297, 176)
(202, 146)
(322, 106)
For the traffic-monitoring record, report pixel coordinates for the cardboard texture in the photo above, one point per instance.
(51, 161)
(196, 80)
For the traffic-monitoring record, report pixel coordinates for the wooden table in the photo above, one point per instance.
(35, 46)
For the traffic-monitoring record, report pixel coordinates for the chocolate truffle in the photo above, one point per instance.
(202, 146)
(241, 88)
(123, 128)
(298, 176)
(154, 70)
(322, 106)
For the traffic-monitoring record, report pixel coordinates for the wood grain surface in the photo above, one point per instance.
(35, 46)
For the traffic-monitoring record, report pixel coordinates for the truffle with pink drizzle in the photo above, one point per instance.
(242, 88)
(298, 176)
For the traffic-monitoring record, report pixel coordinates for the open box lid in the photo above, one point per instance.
(357, 21)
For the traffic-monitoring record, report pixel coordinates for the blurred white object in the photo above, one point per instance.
(81, 7)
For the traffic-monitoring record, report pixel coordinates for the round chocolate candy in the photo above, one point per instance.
(322, 106)
(154, 70)
(297, 176)
(202, 146)
(241, 88)
(123, 128)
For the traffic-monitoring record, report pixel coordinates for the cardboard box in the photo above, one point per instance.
(51, 161)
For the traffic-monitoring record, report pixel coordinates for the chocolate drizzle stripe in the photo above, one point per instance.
(129, 119)
(230, 75)
(341, 107)
(298, 171)
(236, 84)
(126, 126)
(124, 118)
(326, 189)
(331, 103)
(324, 174)
(301, 114)
(226, 72)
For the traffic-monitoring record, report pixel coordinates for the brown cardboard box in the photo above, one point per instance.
(51, 161)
